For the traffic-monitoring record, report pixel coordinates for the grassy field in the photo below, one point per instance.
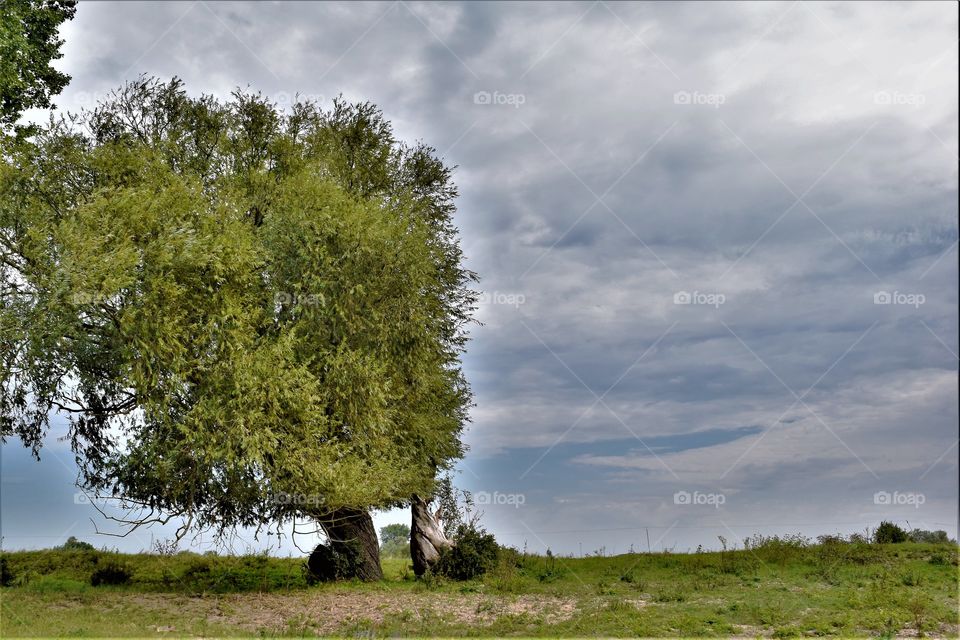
(780, 589)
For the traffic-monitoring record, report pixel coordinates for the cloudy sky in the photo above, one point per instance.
(718, 245)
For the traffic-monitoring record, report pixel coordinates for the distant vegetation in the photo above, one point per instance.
(72, 544)
(395, 541)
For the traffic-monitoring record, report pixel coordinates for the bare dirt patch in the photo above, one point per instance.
(325, 612)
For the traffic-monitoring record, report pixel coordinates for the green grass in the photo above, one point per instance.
(778, 589)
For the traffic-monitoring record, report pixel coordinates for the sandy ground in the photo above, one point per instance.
(326, 612)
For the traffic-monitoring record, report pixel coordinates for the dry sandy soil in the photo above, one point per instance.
(327, 612)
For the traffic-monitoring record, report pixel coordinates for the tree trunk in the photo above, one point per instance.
(351, 533)
(427, 539)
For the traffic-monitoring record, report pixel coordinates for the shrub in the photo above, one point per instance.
(780, 549)
(550, 569)
(863, 553)
(429, 581)
(631, 578)
(199, 568)
(51, 584)
(111, 573)
(24, 578)
(326, 564)
(888, 532)
(474, 553)
(911, 579)
(72, 544)
(673, 593)
(6, 576)
(506, 577)
(349, 561)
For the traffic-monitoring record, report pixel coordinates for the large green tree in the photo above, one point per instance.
(29, 41)
(249, 316)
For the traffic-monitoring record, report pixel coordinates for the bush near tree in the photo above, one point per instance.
(888, 532)
(474, 553)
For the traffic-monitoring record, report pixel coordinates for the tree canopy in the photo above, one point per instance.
(247, 314)
(28, 43)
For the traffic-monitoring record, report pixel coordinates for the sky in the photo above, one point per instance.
(717, 245)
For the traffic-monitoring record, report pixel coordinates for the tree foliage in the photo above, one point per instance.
(72, 544)
(248, 315)
(393, 533)
(889, 532)
(28, 43)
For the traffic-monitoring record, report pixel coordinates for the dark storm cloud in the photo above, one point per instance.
(795, 159)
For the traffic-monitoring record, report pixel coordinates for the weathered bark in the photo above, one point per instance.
(351, 533)
(427, 539)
